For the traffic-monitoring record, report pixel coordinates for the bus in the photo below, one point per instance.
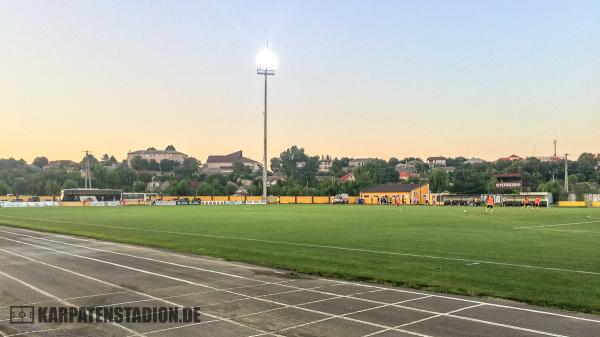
(90, 194)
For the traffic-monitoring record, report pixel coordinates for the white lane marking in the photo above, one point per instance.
(424, 319)
(47, 294)
(320, 312)
(112, 284)
(69, 298)
(560, 224)
(437, 295)
(147, 249)
(297, 244)
(176, 279)
(135, 256)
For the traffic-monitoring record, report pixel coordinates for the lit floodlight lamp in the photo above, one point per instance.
(266, 62)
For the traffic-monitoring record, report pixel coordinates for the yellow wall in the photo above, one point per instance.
(572, 204)
(596, 204)
(422, 194)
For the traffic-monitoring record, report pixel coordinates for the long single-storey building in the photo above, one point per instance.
(412, 193)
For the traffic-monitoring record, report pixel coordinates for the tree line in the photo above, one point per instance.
(293, 172)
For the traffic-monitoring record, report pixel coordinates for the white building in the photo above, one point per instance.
(436, 161)
(325, 163)
(157, 155)
(475, 161)
(357, 162)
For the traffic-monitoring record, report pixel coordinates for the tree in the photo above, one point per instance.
(51, 188)
(40, 162)
(275, 164)
(438, 180)
(167, 165)
(376, 171)
(170, 148)
(4, 188)
(139, 186)
(586, 165)
(69, 183)
(181, 188)
(139, 164)
(240, 171)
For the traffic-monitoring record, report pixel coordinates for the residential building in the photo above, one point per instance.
(223, 164)
(347, 177)
(408, 168)
(67, 165)
(157, 155)
(412, 193)
(404, 176)
(512, 157)
(357, 162)
(549, 158)
(325, 163)
(436, 161)
(474, 160)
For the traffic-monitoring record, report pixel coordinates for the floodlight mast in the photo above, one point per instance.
(266, 70)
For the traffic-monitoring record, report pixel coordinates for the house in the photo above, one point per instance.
(223, 164)
(67, 165)
(412, 193)
(357, 162)
(157, 155)
(474, 160)
(347, 177)
(408, 168)
(512, 157)
(325, 163)
(407, 175)
(549, 158)
(436, 161)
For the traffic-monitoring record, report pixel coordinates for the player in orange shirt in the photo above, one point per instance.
(537, 202)
(489, 204)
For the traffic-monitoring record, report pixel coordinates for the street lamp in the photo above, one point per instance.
(266, 64)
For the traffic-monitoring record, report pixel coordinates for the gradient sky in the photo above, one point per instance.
(356, 78)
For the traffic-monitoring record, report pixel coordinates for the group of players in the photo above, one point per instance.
(489, 203)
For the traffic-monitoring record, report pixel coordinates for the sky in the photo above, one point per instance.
(356, 78)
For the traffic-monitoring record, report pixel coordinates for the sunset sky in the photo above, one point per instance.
(356, 78)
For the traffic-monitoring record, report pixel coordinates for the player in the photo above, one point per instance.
(489, 204)
(537, 202)
(526, 202)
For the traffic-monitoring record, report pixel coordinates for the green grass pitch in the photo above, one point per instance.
(438, 248)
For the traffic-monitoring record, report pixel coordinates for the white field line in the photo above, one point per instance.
(362, 250)
(316, 311)
(566, 231)
(38, 290)
(423, 319)
(561, 224)
(377, 287)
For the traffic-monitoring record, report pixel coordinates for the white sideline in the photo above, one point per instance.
(363, 285)
(36, 289)
(319, 312)
(560, 224)
(505, 264)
